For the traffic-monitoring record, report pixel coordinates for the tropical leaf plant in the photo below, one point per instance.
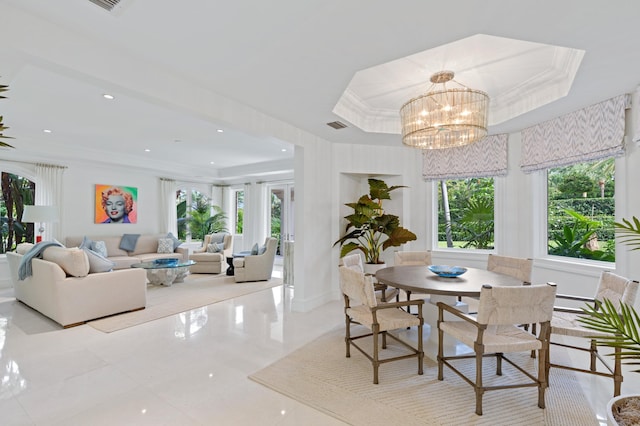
(369, 228)
(3, 88)
(628, 232)
(621, 329)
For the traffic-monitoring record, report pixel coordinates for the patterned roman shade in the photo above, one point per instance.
(589, 134)
(485, 158)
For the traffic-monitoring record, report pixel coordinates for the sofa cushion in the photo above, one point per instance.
(128, 242)
(165, 245)
(99, 247)
(215, 247)
(147, 243)
(73, 261)
(97, 262)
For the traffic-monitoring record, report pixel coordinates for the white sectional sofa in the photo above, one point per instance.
(72, 300)
(146, 249)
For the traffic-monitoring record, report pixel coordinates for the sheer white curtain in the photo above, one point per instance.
(49, 184)
(255, 214)
(168, 214)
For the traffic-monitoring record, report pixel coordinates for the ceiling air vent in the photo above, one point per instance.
(106, 4)
(337, 125)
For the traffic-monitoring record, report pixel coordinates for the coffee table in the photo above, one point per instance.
(165, 274)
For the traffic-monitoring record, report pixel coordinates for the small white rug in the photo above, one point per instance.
(197, 290)
(320, 376)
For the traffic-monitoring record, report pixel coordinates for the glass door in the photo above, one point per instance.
(281, 214)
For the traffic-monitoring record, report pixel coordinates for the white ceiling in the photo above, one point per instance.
(289, 59)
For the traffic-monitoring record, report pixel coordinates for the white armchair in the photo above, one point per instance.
(212, 263)
(256, 267)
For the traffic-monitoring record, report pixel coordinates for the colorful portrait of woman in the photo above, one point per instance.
(116, 204)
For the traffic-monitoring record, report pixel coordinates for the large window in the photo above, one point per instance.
(238, 211)
(16, 192)
(581, 210)
(466, 213)
(197, 217)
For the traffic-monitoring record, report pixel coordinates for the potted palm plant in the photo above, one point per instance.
(621, 329)
(369, 228)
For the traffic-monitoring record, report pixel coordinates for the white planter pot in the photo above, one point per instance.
(372, 268)
(612, 403)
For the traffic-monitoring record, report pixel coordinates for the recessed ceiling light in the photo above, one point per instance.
(283, 150)
(147, 150)
(212, 162)
(220, 131)
(108, 96)
(47, 130)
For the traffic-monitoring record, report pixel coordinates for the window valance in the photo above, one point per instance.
(588, 134)
(485, 158)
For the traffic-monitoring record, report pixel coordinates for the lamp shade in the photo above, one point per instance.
(33, 214)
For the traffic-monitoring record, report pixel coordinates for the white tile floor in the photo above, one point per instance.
(188, 369)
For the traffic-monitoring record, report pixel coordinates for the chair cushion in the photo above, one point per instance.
(389, 319)
(504, 338)
(566, 324)
(165, 245)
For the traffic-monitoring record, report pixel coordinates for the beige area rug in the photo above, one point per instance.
(197, 290)
(320, 376)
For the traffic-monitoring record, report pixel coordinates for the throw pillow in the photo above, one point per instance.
(262, 249)
(254, 249)
(97, 262)
(86, 242)
(128, 242)
(176, 242)
(23, 248)
(165, 245)
(99, 247)
(73, 261)
(215, 248)
(217, 238)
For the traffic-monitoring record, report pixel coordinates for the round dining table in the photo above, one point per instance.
(419, 279)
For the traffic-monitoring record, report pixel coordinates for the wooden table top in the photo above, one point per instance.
(418, 279)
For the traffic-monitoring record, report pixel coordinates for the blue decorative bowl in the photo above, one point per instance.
(167, 262)
(447, 271)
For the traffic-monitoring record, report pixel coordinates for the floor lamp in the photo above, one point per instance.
(41, 215)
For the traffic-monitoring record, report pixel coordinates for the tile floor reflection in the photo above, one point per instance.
(186, 369)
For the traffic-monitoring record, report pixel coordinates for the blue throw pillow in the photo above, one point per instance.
(176, 242)
(254, 249)
(215, 248)
(128, 242)
(86, 242)
(262, 249)
(99, 247)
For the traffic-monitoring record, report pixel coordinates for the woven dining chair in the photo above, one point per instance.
(413, 258)
(383, 292)
(494, 331)
(565, 323)
(361, 308)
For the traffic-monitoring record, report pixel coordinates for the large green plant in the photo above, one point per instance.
(629, 232)
(620, 329)
(370, 229)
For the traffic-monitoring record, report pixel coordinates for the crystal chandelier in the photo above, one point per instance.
(444, 117)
